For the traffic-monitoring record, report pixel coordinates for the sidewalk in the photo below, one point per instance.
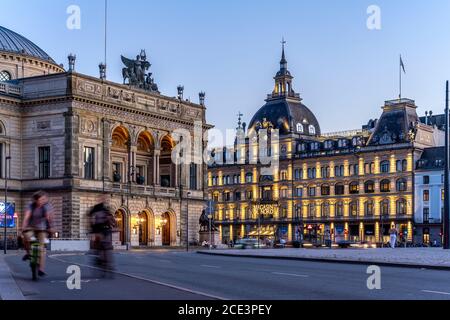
(8, 286)
(435, 258)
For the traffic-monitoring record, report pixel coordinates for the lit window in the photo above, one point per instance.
(312, 129)
(299, 128)
(385, 186)
(426, 195)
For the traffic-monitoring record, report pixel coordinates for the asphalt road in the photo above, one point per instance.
(192, 276)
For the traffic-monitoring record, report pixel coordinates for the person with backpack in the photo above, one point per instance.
(38, 223)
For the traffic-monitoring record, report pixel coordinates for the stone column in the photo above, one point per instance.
(71, 145)
(106, 152)
(133, 153)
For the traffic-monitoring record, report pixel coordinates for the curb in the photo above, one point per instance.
(8, 286)
(330, 260)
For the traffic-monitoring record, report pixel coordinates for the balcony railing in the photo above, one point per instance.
(11, 89)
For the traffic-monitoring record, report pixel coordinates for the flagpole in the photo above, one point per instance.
(400, 78)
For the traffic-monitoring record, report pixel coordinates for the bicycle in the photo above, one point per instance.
(36, 248)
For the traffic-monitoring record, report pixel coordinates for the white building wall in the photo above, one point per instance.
(435, 203)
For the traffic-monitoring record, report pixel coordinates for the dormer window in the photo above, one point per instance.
(328, 144)
(356, 141)
(299, 128)
(312, 129)
(301, 147)
(314, 146)
(342, 143)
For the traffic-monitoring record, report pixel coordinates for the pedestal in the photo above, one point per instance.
(205, 236)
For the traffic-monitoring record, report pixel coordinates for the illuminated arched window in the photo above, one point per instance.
(401, 207)
(385, 185)
(384, 207)
(299, 128)
(312, 129)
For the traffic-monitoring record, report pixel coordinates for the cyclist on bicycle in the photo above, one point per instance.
(102, 225)
(37, 223)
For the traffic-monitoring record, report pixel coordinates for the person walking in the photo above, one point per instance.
(393, 237)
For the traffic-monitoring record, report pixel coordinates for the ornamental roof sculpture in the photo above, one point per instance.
(135, 72)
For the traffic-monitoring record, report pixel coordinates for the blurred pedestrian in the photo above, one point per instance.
(37, 224)
(393, 237)
(102, 225)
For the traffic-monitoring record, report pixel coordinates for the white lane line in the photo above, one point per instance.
(291, 274)
(55, 257)
(167, 261)
(437, 292)
(208, 266)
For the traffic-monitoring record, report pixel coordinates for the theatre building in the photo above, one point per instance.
(354, 184)
(78, 136)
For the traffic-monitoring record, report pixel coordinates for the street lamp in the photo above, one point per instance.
(6, 202)
(210, 226)
(187, 221)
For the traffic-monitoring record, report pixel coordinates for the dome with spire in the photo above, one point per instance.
(284, 109)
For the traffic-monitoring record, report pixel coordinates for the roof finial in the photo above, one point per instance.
(239, 120)
(283, 62)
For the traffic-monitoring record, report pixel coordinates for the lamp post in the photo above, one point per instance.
(210, 226)
(187, 221)
(6, 203)
(446, 217)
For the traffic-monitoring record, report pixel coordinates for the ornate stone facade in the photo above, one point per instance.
(77, 137)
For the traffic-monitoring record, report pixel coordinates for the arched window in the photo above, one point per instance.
(312, 210)
(384, 207)
(299, 128)
(312, 129)
(369, 186)
(353, 208)
(402, 184)
(339, 209)
(404, 165)
(339, 171)
(339, 189)
(249, 178)
(385, 185)
(401, 207)
(325, 190)
(5, 76)
(368, 208)
(325, 209)
(384, 166)
(354, 187)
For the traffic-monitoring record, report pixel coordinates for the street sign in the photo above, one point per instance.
(10, 210)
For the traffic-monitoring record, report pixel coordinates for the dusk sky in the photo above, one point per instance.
(231, 50)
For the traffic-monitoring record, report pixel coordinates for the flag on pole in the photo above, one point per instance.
(402, 65)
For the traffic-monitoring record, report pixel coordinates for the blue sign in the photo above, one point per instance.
(10, 209)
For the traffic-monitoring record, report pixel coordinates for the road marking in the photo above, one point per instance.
(55, 257)
(208, 266)
(437, 292)
(83, 281)
(291, 274)
(161, 260)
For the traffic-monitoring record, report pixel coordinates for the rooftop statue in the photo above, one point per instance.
(136, 74)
